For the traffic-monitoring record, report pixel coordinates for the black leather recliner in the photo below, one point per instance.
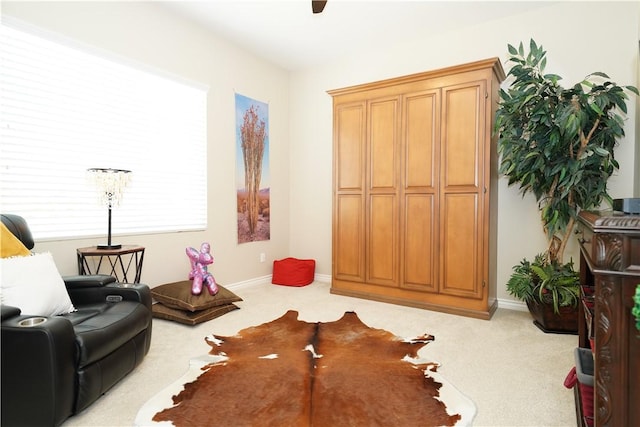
(57, 368)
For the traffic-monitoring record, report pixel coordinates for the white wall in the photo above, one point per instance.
(580, 38)
(146, 32)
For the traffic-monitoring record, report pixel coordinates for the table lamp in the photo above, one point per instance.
(111, 184)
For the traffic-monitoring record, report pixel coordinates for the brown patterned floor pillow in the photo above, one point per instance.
(178, 295)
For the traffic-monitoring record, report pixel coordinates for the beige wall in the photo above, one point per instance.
(574, 50)
(300, 118)
(636, 181)
(146, 32)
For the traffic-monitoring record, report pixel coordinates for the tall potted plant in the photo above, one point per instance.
(558, 144)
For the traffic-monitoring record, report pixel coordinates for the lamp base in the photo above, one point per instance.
(109, 246)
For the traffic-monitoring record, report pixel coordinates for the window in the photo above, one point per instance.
(65, 109)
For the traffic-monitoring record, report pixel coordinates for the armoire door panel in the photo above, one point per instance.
(460, 245)
(421, 128)
(382, 242)
(419, 263)
(350, 146)
(349, 238)
(463, 134)
(383, 144)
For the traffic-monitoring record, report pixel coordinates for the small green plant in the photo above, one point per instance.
(546, 281)
(636, 307)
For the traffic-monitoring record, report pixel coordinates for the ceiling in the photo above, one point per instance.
(287, 33)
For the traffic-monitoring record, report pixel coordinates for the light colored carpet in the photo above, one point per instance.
(511, 370)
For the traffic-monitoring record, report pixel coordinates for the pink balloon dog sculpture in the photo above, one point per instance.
(199, 273)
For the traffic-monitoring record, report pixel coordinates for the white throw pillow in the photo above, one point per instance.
(34, 285)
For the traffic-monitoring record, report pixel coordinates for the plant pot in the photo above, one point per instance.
(565, 322)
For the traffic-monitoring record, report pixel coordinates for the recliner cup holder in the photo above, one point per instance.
(32, 321)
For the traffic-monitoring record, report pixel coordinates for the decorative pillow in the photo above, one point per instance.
(10, 245)
(178, 295)
(191, 318)
(34, 285)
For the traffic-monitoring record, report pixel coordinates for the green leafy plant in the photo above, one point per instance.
(635, 310)
(558, 143)
(545, 280)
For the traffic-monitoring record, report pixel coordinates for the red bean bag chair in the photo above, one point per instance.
(293, 272)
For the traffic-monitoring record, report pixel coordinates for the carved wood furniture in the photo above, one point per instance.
(415, 186)
(610, 264)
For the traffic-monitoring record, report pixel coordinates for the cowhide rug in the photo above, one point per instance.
(293, 373)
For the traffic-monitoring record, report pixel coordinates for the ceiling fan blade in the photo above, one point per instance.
(318, 5)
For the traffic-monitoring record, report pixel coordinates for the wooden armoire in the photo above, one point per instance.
(415, 189)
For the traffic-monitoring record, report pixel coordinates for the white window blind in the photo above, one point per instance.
(64, 109)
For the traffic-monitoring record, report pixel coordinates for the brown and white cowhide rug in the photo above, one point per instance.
(293, 373)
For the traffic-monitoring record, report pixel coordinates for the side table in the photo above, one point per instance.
(118, 261)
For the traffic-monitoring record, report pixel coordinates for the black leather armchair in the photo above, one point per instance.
(58, 367)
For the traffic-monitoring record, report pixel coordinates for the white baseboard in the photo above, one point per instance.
(508, 304)
(324, 278)
(249, 283)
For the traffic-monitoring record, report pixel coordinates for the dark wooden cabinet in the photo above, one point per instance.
(610, 266)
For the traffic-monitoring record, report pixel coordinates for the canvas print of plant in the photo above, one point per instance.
(252, 169)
